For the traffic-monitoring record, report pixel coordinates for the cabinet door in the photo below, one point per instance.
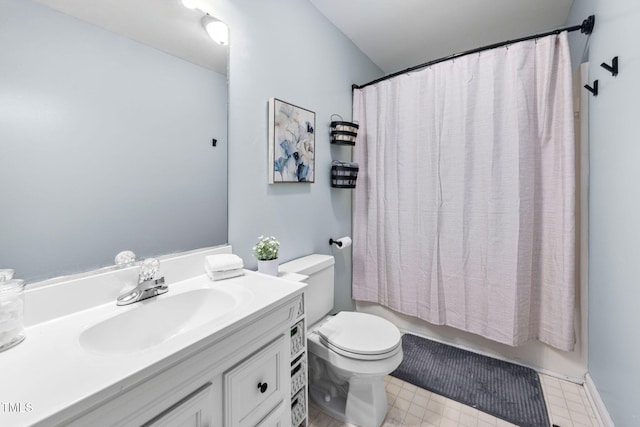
(258, 385)
(192, 411)
(277, 417)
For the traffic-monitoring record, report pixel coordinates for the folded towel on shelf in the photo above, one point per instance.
(221, 275)
(223, 262)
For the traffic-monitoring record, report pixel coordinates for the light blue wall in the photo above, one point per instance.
(105, 145)
(578, 42)
(288, 50)
(614, 229)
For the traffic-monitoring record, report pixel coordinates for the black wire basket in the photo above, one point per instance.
(344, 174)
(343, 133)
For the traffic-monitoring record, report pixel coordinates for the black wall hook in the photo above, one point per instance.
(613, 68)
(594, 89)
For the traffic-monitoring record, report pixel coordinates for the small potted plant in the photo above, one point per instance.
(266, 252)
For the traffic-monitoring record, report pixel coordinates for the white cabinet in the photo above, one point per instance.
(279, 417)
(243, 379)
(257, 386)
(192, 411)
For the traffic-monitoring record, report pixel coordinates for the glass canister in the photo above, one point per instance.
(11, 313)
(6, 274)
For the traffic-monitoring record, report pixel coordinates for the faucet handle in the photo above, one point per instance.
(125, 258)
(148, 269)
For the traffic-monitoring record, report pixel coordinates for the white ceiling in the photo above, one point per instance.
(397, 34)
(163, 24)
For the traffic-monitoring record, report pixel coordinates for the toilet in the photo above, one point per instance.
(349, 353)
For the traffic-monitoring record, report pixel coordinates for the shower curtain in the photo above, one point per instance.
(464, 205)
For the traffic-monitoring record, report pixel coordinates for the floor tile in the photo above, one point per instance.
(451, 413)
(412, 420)
(393, 389)
(409, 406)
(406, 394)
(417, 410)
(421, 400)
(468, 420)
(436, 407)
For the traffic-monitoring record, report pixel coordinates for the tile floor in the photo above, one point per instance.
(409, 405)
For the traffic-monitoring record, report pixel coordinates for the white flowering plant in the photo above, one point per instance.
(266, 248)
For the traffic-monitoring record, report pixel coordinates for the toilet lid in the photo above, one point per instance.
(360, 334)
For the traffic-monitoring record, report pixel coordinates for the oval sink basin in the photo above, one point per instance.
(155, 320)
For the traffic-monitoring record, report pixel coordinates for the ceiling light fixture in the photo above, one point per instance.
(190, 4)
(217, 30)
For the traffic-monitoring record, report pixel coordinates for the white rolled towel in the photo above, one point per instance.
(223, 262)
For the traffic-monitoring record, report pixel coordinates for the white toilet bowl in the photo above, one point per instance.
(349, 355)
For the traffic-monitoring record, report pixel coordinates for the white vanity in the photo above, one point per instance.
(224, 353)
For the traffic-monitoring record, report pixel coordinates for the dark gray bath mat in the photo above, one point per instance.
(504, 390)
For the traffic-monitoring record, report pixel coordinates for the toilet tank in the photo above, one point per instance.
(319, 292)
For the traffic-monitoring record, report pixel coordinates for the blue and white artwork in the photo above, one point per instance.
(291, 143)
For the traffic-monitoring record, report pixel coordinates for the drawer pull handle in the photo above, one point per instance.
(262, 387)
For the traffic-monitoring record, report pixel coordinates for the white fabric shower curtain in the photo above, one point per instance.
(464, 205)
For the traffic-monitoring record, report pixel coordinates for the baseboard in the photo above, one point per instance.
(604, 419)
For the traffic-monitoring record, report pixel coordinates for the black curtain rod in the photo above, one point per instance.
(586, 28)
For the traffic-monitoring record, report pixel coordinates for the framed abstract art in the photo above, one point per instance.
(292, 143)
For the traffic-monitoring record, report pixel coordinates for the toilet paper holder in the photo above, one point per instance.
(341, 242)
(337, 242)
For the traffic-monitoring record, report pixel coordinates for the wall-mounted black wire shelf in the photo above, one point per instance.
(344, 174)
(342, 132)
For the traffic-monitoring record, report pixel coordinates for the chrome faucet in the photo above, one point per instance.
(147, 287)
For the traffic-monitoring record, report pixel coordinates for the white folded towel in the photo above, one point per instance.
(223, 262)
(221, 275)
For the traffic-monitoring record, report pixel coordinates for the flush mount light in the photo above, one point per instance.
(190, 4)
(216, 29)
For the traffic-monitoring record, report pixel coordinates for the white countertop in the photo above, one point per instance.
(50, 371)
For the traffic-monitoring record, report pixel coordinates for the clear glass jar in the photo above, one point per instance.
(11, 313)
(6, 274)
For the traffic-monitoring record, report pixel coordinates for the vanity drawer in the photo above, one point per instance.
(194, 410)
(257, 385)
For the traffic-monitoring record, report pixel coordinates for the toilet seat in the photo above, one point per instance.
(360, 336)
